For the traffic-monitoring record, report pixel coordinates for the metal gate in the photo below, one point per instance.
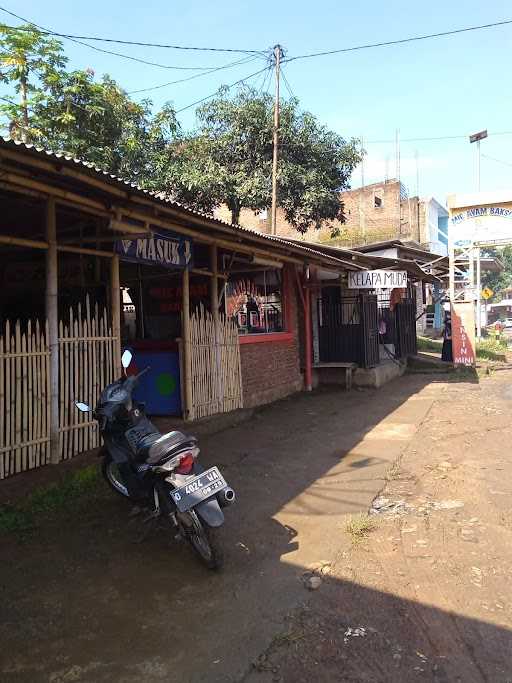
(348, 328)
(370, 332)
(405, 325)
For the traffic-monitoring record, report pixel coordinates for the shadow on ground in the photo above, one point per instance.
(82, 601)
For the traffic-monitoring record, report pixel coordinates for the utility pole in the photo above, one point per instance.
(397, 145)
(362, 223)
(278, 53)
(477, 137)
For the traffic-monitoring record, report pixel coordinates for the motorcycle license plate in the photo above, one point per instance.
(198, 489)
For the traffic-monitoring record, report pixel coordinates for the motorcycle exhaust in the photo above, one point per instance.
(226, 497)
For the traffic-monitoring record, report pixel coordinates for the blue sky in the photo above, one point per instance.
(433, 88)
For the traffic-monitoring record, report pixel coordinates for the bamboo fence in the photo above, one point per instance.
(215, 360)
(86, 366)
(24, 393)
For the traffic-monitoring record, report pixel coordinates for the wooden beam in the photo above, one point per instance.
(214, 307)
(116, 312)
(22, 242)
(188, 408)
(52, 315)
(85, 251)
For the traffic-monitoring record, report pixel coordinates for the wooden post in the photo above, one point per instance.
(214, 306)
(116, 312)
(188, 408)
(52, 314)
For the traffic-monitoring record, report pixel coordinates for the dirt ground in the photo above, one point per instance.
(424, 596)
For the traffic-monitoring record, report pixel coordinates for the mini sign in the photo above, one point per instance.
(377, 279)
(169, 250)
(463, 333)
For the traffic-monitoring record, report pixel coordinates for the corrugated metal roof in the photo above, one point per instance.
(159, 197)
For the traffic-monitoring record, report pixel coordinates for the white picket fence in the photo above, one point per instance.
(215, 361)
(86, 365)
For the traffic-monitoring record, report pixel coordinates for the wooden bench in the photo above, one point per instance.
(348, 367)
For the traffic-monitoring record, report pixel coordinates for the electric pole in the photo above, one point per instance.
(278, 53)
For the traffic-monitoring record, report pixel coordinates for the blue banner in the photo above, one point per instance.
(169, 250)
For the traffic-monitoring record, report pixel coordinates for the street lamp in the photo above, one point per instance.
(476, 137)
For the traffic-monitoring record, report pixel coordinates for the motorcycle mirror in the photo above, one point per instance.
(82, 407)
(126, 359)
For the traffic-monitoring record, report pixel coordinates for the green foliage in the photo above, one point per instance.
(31, 62)
(499, 281)
(72, 492)
(228, 159)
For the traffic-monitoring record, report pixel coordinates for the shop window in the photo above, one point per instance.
(254, 301)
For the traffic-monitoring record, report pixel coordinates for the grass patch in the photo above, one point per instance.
(488, 349)
(427, 344)
(360, 527)
(491, 349)
(70, 493)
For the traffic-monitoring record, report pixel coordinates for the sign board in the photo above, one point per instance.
(463, 333)
(481, 225)
(169, 250)
(487, 293)
(377, 279)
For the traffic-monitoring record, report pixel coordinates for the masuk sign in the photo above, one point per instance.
(169, 250)
(377, 279)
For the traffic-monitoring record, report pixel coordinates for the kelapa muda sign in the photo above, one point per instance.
(377, 279)
(168, 250)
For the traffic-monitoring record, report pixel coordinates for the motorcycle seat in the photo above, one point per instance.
(154, 448)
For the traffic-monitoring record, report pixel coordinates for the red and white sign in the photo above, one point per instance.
(463, 333)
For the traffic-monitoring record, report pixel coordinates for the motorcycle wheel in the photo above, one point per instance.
(201, 540)
(113, 477)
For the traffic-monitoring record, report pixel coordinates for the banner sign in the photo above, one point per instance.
(463, 333)
(481, 224)
(169, 250)
(377, 279)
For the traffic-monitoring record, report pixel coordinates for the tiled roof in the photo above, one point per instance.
(159, 197)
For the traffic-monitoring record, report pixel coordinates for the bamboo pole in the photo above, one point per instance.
(24, 402)
(188, 412)
(37, 394)
(46, 400)
(116, 313)
(31, 360)
(2, 409)
(53, 326)
(8, 383)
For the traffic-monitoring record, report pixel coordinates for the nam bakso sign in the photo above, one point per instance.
(377, 279)
(169, 250)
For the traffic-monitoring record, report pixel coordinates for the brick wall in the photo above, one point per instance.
(364, 221)
(271, 370)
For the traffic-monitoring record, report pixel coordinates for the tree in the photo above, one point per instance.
(97, 121)
(499, 281)
(228, 160)
(31, 61)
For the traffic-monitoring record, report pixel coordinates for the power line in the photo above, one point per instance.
(401, 41)
(203, 99)
(288, 86)
(434, 139)
(499, 161)
(43, 30)
(133, 42)
(190, 78)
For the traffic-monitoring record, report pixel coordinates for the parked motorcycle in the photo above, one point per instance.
(146, 466)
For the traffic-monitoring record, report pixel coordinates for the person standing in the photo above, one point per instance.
(447, 352)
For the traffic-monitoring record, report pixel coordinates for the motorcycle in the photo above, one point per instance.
(161, 470)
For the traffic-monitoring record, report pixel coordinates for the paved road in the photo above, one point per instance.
(83, 602)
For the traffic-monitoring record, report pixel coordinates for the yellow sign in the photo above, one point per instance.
(487, 293)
